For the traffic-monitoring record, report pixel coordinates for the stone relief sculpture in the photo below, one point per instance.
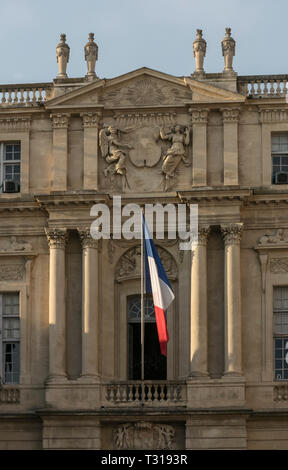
(112, 150)
(18, 245)
(278, 237)
(144, 435)
(179, 138)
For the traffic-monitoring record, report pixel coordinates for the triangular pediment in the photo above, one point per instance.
(142, 88)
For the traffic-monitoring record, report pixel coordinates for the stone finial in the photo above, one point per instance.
(91, 56)
(228, 51)
(199, 48)
(62, 54)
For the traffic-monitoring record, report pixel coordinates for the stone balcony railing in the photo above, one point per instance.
(263, 86)
(9, 394)
(24, 94)
(152, 393)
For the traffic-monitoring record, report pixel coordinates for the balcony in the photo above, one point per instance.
(150, 393)
(263, 86)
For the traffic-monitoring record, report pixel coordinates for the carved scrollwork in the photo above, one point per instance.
(87, 241)
(57, 238)
(232, 233)
(144, 435)
(128, 266)
(11, 272)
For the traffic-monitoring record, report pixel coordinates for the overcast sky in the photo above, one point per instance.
(136, 33)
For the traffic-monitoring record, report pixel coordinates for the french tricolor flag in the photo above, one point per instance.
(158, 285)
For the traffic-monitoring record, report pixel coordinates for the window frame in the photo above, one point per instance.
(4, 162)
(279, 336)
(3, 341)
(280, 154)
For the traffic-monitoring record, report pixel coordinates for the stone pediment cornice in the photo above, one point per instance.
(206, 93)
(67, 99)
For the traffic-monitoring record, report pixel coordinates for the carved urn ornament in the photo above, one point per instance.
(228, 50)
(91, 56)
(62, 54)
(199, 48)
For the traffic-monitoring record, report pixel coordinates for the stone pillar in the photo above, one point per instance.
(228, 51)
(90, 279)
(62, 55)
(230, 137)
(199, 118)
(60, 150)
(198, 309)
(57, 282)
(91, 56)
(233, 347)
(91, 131)
(199, 49)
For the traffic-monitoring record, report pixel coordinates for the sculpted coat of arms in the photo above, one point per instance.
(147, 141)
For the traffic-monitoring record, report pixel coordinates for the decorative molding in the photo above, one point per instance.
(263, 258)
(87, 241)
(230, 114)
(20, 124)
(232, 233)
(128, 266)
(199, 115)
(60, 120)
(279, 265)
(91, 119)
(144, 435)
(134, 120)
(11, 272)
(57, 238)
(273, 114)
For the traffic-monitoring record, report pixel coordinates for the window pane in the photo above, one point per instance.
(281, 358)
(12, 152)
(11, 354)
(280, 298)
(11, 304)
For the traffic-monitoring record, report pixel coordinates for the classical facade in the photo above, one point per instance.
(69, 304)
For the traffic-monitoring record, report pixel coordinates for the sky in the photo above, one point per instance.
(140, 33)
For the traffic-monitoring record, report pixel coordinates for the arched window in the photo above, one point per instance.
(155, 364)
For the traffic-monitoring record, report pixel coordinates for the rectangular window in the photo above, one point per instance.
(280, 308)
(10, 161)
(10, 337)
(279, 150)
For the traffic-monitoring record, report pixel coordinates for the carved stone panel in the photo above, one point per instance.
(144, 435)
(11, 272)
(128, 266)
(279, 265)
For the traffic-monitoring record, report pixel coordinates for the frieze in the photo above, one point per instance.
(15, 124)
(273, 114)
(136, 120)
(144, 435)
(278, 238)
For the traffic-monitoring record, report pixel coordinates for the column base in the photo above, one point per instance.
(232, 374)
(56, 379)
(89, 379)
(197, 374)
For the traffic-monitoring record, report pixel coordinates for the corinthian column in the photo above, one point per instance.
(90, 333)
(57, 344)
(198, 312)
(233, 349)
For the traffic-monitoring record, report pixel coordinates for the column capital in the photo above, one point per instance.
(203, 233)
(57, 238)
(230, 114)
(60, 120)
(199, 115)
(87, 241)
(91, 119)
(232, 233)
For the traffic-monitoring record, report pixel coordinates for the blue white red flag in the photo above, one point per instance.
(158, 285)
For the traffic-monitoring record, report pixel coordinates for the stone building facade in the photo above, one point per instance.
(69, 304)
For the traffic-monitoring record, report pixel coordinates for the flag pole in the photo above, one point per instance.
(142, 303)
